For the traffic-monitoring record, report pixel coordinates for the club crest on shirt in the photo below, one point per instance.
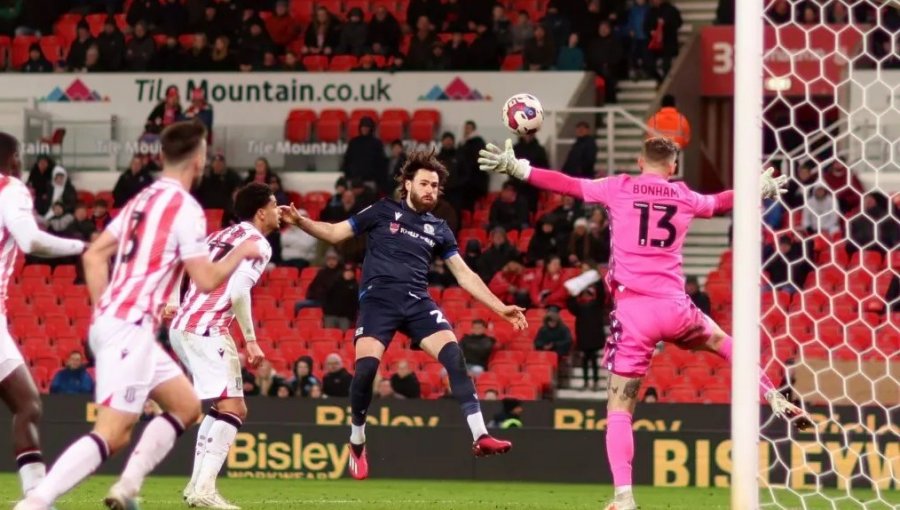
(429, 229)
(395, 227)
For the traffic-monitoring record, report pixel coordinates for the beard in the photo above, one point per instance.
(419, 205)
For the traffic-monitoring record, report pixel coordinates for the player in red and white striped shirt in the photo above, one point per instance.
(19, 231)
(199, 335)
(159, 233)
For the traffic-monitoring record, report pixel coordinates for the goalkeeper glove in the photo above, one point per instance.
(772, 187)
(503, 161)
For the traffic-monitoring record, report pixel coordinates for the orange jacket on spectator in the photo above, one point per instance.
(669, 122)
(550, 286)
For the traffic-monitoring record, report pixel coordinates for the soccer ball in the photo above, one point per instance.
(523, 114)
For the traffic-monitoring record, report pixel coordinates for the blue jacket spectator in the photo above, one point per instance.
(74, 379)
(571, 57)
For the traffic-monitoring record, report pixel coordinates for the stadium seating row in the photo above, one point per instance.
(329, 124)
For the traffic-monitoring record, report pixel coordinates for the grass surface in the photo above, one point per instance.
(165, 493)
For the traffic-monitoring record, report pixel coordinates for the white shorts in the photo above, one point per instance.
(213, 363)
(130, 363)
(10, 357)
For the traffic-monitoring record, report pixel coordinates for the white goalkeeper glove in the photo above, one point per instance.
(772, 187)
(503, 161)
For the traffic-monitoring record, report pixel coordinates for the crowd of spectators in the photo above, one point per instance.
(615, 39)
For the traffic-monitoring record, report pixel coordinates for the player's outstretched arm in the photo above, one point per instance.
(96, 264)
(19, 219)
(208, 275)
(503, 161)
(473, 284)
(332, 233)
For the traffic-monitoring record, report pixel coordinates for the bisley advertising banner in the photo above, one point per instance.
(675, 445)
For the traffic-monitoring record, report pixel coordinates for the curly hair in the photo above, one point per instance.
(250, 199)
(420, 160)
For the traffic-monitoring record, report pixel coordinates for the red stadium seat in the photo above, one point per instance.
(314, 63)
(342, 63)
(541, 374)
(54, 48)
(302, 10)
(51, 363)
(329, 129)
(390, 130)
(395, 114)
(508, 357)
(334, 113)
(512, 62)
(715, 395)
(36, 271)
(681, 394)
(523, 391)
(427, 114)
(542, 358)
(95, 23)
(21, 46)
(297, 130)
(186, 41)
(67, 28)
(5, 46)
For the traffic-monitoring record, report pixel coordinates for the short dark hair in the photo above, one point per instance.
(668, 100)
(180, 140)
(8, 146)
(582, 124)
(80, 204)
(251, 198)
(421, 160)
(101, 202)
(472, 123)
(479, 321)
(659, 149)
(397, 142)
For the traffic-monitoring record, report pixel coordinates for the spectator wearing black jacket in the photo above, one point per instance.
(477, 347)
(173, 18)
(546, 242)
(342, 301)
(40, 177)
(540, 51)
(500, 252)
(664, 17)
(528, 147)
(587, 307)
(325, 277)
(218, 185)
(786, 267)
(83, 228)
(78, 48)
(36, 62)
(336, 381)
(604, 56)
(353, 35)
(111, 44)
(255, 42)
(874, 229)
(140, 50)
(322, 35)
(131, 182)
(148, 11)
(404, 381)
(586, 244)
(169, 57)
(164, 113)
(557, 25)
(509, 211)
(365, 160)
(457, 52)
(395, 163)
(384, 32)
(420, 46)
(698, 297)
(485, 52)
(198, 57)
(583, 154)
(431, 9)
(468, 162)
(566, 214)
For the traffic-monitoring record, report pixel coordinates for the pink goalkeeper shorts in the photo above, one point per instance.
(638, 322)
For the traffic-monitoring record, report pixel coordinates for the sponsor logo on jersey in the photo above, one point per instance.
(429, 229)
(397, 215)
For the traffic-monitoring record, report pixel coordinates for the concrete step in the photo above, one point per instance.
(622, 142)
(637, 85)
(581, 395)
(636, 97)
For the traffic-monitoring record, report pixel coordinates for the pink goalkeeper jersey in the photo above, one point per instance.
(649, 218)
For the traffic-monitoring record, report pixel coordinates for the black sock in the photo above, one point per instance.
(361, 388)
(357, 449)
(461, 385)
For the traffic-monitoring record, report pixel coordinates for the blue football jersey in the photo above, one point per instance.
(401, 244)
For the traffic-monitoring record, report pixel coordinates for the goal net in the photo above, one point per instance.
(830, 315)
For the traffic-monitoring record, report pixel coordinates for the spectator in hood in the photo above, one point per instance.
(421, 44)
(546, 242)
(169, 57)
(255, 42)
(336, 382)
(36, 62)
(140, 50)
(200, 110)
(165, 113)
(40, 179)
(342, 301)
(511, 415)
(485, 52)
(557, 25)
(131, 182)
(325, 277)
(61, 191)
(354, 34)
(303, 379)
(431, 10)
(554, 335)
(820, 214)
(111, 43)
(583, 155)
(500, 252)
(365, 160)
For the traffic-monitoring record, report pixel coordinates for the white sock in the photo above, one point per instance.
(75, 464)
(623, 490)
(358, 434)
(200, 447)
(219, 439)
(155, 443)
(476, 425)
(32, 472)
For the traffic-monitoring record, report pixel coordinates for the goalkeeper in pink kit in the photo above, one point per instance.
(649, 217)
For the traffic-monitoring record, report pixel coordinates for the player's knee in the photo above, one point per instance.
(366, 369)
(30, 411)
(452, 358)
(234, 406)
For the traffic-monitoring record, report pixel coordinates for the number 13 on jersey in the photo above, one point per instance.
(663, 223)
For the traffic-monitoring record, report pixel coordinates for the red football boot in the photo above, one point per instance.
(487, 445)
(359, 465)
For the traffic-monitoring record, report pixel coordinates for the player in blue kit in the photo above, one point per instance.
(402, 240)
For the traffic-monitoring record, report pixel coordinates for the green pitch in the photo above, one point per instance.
(165, 493)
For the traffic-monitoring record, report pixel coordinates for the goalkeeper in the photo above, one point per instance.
(651, 216)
